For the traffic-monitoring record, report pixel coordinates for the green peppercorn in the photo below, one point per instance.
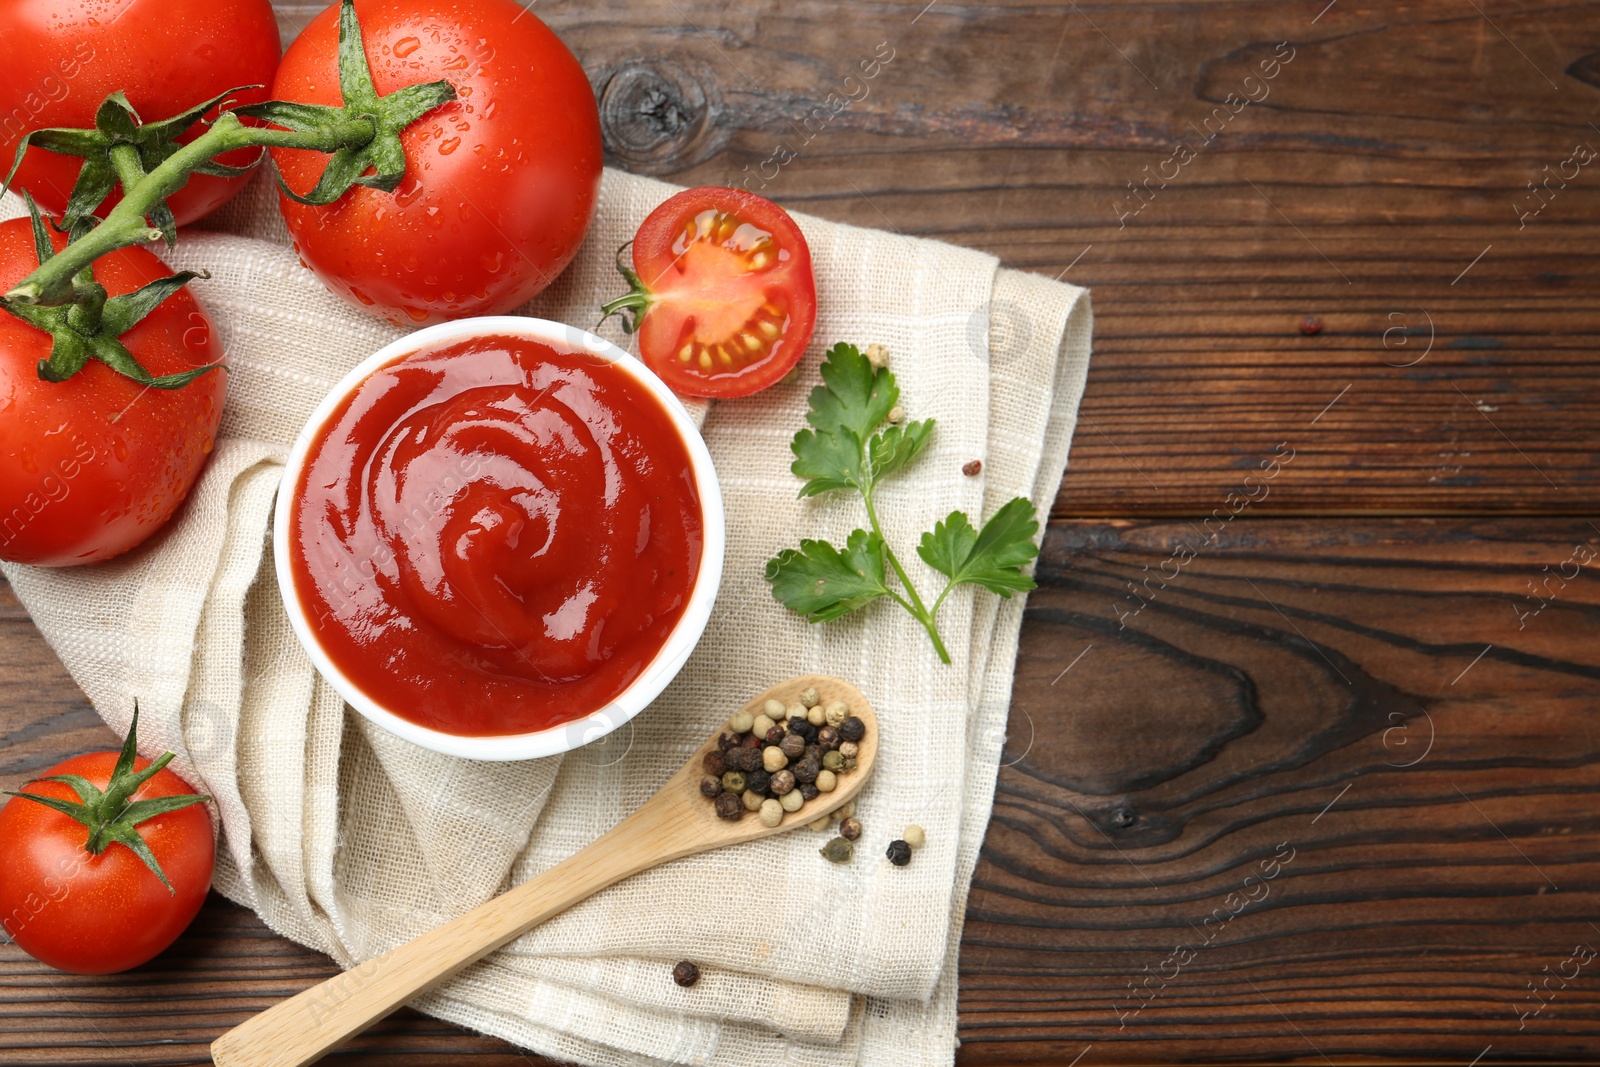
(729, 806)
(709, 786)
(686, 974)
(832, 761)
(838, 851)
(899, 853)
(734, 781)
(852, 729)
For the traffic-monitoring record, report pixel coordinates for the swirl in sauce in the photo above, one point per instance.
(494, 537)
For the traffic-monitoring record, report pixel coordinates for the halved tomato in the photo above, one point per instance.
(723, 297)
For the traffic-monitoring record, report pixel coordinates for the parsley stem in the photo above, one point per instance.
(916, 607)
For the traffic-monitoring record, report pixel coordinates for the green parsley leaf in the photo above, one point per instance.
(841, 451)
(993, 557)
(820, 582)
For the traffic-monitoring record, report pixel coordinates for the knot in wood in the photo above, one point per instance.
(655, 115)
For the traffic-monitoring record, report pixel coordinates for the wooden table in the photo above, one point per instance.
(1302, 763)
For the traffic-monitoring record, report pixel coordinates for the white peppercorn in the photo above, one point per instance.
(816, 716)
(818, 824)
(826, 781)
(877, 356)
(740, 722)
(836, 712)
(914, 835)
(792, 800)
(847, 811)
(795, 711)
(771, 812)
(773, 759)
(897, 414)
(849, 749)
(809, 697)
(752, 800)
(773, 709)
(761, 725)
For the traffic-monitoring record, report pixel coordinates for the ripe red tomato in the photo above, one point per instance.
(500, 183)
(63, 57)
(100, 914)
(91, 466)
(725, 292)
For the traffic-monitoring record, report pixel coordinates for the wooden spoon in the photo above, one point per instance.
(678, 821)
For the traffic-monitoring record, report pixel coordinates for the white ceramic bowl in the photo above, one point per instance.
(680, 642)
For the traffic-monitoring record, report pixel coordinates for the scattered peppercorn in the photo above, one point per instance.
(877, 355)
(686, 974)
(899, 853)
(972, 468)
(850, 828)
(852, 729)
(733, 781)
(1310, 326)
(818, 823)
(729, 806)
(709, 786)
(897, 415)
(914, 835)
(838, 851)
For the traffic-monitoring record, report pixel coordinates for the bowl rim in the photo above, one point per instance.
(658, 673)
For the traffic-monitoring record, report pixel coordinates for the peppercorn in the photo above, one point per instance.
(773, 709)
(709, 786)
(801, 728)
(744, 759)
(816, 716)
(836, 712)
(899, 853)
(793, 746)
(792, 800)
(852, 729)
(740, 722)
(832, 761)
(972, 468)
(775, 735)
(729, 806)
(726, 741)
(771, 812)
(818, 824)
(782, 783)
(848, 765)
(809, 697)
(814, 754)
(757, 782)
(749, 741)
(795, 711)
(914, 835)
(752, 800)
(846, 811)
(828, 737)
(837, 851)
(850, 828)
(826, 781)
(686, 974)
(733, 781)
(773, 759)
(806, 770)
(808, 790)
(849, 749)
(761, 725)
(877, 355)
(714, 764)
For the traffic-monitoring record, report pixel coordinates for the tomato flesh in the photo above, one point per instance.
(732, 294)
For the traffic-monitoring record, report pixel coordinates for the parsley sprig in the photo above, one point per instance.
(849, 447)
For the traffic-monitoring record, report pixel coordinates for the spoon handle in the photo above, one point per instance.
(312, 1023)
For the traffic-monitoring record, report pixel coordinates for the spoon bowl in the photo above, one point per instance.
(677, 821)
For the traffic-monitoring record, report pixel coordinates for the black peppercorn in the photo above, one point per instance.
(726, 741)
(714, 764)
(729, 806)
(852, 729)
(804, 729)
(793, 746)
(809, 791)
(850, 828)
(686, 974)
(745, 759)
(733, 781)
(782, 782)
(758, 781)
(775, 735)
(828, 737)
(814, 753)
(709, 786)
(806, 770)
(899, 853)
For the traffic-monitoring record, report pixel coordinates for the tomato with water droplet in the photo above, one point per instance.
(526, 87)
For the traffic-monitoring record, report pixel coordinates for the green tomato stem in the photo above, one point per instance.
(916, 607)
(126, 224)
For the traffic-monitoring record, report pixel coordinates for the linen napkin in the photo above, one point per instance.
(350, 840)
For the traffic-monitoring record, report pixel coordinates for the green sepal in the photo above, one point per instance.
(631, 306)
(383, 155)
(108, 814)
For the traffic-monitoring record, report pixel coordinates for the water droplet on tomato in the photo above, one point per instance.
(405, 46)
(449, 146)
(417, 314)
(489, 109)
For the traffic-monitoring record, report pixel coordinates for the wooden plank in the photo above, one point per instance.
(1151, 770)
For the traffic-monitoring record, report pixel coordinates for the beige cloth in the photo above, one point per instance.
(350, 840)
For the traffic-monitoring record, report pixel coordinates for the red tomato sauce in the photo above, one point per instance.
(494, 537)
